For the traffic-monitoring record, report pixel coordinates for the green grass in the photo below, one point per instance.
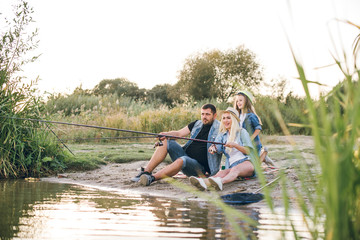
(92, 156)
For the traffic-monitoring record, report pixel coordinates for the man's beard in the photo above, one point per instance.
(210, 122)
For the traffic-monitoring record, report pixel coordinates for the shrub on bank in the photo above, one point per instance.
(124, 113)
(26, 148)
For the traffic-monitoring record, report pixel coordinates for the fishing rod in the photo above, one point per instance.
(82, 139)
(104, 138)
(115, 129)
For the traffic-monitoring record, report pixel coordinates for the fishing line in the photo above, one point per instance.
(48, 128)
(59, 139)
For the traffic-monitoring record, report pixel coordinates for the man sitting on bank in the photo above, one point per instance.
(193, 159)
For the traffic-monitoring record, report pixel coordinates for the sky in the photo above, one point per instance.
(147, 41)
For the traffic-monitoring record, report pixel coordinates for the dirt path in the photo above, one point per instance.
(116, 177)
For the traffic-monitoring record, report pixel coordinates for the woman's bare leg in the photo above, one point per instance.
(244, 169)
(221, 174)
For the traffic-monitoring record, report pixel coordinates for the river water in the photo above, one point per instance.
(44, 210)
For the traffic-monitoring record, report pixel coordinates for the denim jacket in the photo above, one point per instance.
(251, 124)
(214, 160)
(242, 138)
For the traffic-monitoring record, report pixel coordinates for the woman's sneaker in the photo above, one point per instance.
(198, 182)
(216, 183)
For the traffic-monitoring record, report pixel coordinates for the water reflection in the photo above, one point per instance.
(43, 210)
(276, 225)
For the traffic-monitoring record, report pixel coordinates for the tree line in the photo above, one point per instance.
(212, 74)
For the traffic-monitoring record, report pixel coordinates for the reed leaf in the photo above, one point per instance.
(335, 124)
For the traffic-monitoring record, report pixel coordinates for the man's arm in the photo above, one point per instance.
(179, 133)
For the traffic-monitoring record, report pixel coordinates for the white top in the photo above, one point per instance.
(235, 155)
(242, 119)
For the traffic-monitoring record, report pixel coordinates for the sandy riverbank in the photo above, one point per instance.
(116, 177)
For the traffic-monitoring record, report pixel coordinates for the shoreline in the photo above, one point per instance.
(115, 177)
(106, 179)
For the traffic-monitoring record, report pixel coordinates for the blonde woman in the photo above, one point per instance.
(236, 149)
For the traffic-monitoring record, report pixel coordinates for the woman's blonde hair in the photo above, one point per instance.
(235, 127)
(249, 107)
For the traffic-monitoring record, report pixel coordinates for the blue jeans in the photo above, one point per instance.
(190, 167)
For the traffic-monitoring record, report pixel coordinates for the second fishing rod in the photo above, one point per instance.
(156, 135)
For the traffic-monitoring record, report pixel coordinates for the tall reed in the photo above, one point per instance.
(333, 192)
(25, 150)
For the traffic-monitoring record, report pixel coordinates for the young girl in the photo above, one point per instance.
(251, 122)
(236, 149)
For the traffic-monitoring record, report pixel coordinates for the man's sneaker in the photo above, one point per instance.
(137, 177)
(146, 179)
(216, 183)
(198, 182)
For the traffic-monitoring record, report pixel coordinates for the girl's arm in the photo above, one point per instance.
(256, 132)
(254, 121)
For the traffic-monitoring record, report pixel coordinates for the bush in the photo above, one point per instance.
(27, 149)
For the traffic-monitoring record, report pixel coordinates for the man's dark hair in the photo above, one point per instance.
(211, 106)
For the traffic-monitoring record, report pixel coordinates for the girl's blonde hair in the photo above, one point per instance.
(249, 107)
(235, 127)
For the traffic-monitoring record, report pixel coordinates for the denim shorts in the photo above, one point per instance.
(241, 161)
(191, 167)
